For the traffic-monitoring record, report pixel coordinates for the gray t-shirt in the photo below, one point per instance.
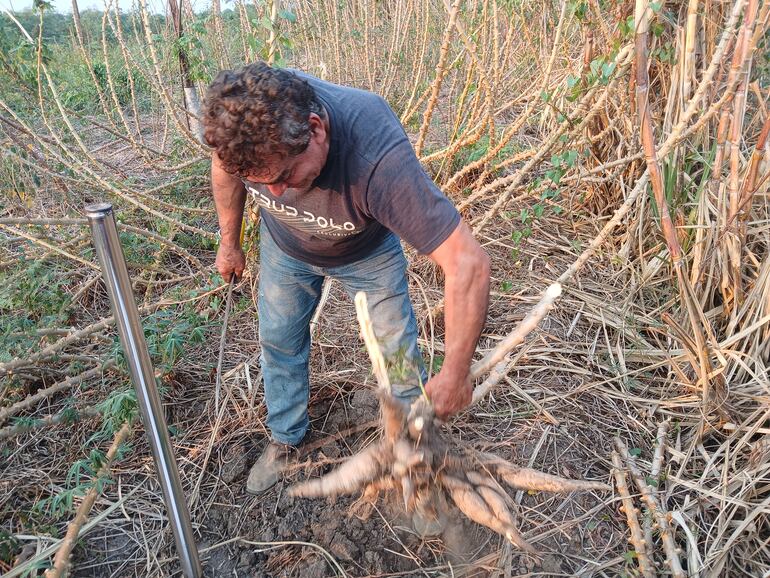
(372, 183)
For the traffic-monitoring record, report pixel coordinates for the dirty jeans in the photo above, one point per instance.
(289, 291)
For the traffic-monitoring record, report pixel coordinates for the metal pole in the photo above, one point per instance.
(110, 253)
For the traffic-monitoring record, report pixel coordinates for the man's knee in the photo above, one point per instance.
(284, 344)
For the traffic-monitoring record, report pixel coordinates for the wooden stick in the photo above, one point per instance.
(6, 412)
(222, 340)
(61, 561)
(657, 465)
(515, 337)
(639, 542)
(367, 333)
(326, 290)
(666, 532)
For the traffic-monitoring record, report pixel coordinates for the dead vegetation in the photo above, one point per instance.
(626, 162)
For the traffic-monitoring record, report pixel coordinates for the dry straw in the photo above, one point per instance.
(583, 156)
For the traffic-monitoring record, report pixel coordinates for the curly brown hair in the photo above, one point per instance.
(256, 112)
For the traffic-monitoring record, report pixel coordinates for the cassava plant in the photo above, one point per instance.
(428, 470)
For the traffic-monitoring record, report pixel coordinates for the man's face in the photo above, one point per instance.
(297, 172)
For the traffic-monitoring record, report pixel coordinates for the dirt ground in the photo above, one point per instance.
(275, 535)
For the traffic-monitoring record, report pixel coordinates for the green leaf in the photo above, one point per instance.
(554, 175)
(545, 96)
(596, 65)
(287, 15)
(651, 481)
(636, 452)
(41, 5)
(580, 9)
(656, 6)
(630, 556)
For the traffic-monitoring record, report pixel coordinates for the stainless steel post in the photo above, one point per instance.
(110, 253)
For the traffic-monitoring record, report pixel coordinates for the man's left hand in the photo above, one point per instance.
(449, 393)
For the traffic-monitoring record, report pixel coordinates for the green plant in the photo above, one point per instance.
(32, 296)
(9, 547)
(190, 45)
(283, 43)
(119, 407)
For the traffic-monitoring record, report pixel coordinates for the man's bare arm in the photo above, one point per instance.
(229, 199)
(466, 269)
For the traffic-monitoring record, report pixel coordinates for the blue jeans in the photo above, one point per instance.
(289, 291)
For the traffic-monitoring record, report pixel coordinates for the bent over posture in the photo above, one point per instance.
(338, 184)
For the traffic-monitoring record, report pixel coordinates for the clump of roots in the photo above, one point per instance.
(412, 458)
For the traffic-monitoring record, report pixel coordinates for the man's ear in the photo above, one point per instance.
(317, 127)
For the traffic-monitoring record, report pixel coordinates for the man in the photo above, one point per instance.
(338, 184)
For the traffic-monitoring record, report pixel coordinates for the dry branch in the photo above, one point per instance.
(637, 539)
(660, 515)
(50, 247)
(367, 333)
(438, 78)
(30, 400)
(657, 464)
(61, 561)
(703, 367)
(65, 416)
(513, 339)
(52, 349)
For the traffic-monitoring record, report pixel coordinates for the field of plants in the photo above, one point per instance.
(620, 148)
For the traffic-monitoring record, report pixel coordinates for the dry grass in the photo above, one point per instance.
(633, 342)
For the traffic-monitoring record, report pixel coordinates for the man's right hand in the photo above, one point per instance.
(230, 260)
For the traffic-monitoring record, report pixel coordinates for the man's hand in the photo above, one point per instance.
(449, 394)
(230, 260)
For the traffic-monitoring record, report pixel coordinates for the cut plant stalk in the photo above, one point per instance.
(692, 307)
(637, 538)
